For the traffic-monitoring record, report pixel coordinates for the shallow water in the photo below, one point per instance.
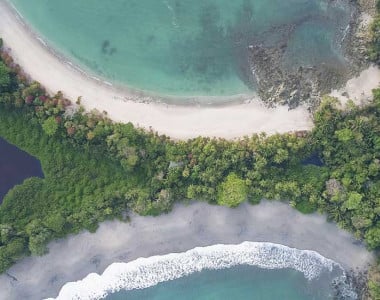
(237, 283)
(188, 47)
(218, 271)
(15, 166)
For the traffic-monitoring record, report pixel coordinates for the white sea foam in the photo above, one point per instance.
(147, 272)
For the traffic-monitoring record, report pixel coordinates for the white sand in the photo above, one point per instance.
(182, 122)
(185, 228)
(359, 89)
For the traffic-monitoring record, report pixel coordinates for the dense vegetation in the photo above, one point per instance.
(97, 170)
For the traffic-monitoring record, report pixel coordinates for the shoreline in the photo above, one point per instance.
(186, 227)
(233, 118)
(226, 120)
(148, 272)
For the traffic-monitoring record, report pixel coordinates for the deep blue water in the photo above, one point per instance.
(15, 166)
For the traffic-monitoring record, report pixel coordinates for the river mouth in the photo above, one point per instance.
(203, 51)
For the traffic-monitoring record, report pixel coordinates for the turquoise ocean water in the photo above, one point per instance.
(246, 271)
(238, 283)
(186, 47)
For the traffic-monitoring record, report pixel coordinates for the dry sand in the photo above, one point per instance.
(187, 227)
(359, 89)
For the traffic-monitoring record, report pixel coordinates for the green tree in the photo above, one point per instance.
(353, 202)
(372, 237)
(50, 126)
(16, 248)
(232, 191)
(5, 78)
(5, 259)
(6, 233)
(344, 135)
(37, 243)
(55, 222)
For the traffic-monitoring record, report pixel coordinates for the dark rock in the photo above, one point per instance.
(357, 281)
(277, 82)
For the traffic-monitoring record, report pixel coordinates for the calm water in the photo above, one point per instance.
(236, 283)
(187, 47)
(15, 166)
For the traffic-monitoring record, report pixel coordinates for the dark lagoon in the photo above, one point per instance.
(15, 166)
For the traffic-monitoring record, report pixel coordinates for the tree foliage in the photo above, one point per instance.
(5, 78)
(232, 191)
(50, 126)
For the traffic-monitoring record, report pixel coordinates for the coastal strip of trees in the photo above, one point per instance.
(97, 170)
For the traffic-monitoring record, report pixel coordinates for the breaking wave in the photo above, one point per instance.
(147, 272)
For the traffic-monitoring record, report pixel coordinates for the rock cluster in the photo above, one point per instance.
(278, 83)
(357, 281)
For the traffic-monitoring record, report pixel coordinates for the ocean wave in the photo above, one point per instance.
(147, 272)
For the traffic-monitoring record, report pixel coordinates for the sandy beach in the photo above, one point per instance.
(182, 122)
(188, 226)
(234, 120)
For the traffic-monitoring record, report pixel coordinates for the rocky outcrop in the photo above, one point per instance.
(278, 83)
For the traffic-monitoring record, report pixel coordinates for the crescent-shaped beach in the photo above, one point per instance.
(242, 117)
(237, 117)
(186, 227)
